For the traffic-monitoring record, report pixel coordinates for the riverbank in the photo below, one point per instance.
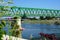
(40, 21)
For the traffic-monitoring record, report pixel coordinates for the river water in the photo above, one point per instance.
(35, 29)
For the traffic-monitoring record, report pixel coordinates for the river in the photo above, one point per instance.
(35, 29)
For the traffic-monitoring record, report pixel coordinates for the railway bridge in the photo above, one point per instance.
(30, 12)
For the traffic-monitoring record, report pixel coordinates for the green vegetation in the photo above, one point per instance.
(2, 24)
(15, 30)
(24, 16)
(40, 21)
(5, 12)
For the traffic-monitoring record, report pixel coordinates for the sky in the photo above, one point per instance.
(46, 4)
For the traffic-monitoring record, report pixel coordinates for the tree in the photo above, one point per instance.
(2, 25)
(15, 28)
(24, 16)
(4, 5)
(41, 17)
(6, 2)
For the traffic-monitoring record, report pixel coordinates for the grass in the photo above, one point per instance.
(40, 21)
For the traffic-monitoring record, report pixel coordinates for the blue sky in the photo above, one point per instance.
(46, 4)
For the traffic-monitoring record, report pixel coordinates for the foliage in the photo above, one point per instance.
(2, 24)
(14, 28)
(24, 16)
(8, 1)
(46, 18)
(41, 17)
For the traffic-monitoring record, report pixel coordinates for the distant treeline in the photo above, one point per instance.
(41, 17)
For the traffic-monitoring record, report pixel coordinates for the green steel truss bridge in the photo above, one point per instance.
(29, 12)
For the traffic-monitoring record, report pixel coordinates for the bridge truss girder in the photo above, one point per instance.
(30, 12)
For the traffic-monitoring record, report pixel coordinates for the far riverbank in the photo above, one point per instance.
(41, 21)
